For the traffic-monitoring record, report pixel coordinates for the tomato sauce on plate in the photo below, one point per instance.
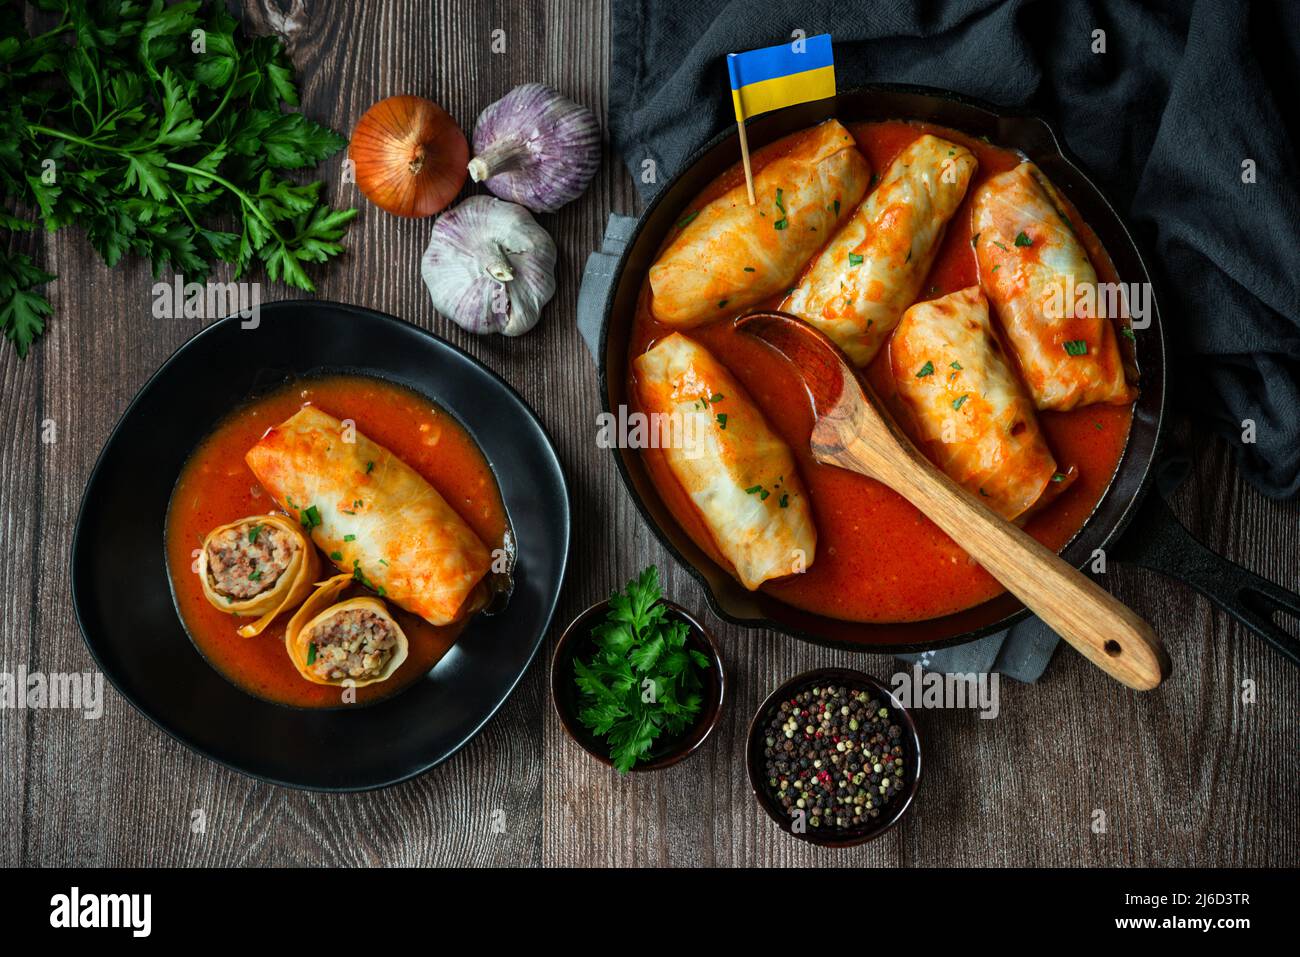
(216, 486)
(878, 558)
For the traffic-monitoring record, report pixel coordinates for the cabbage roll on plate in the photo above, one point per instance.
(968, 406)
(737, 472)
(373, 515)
(731, 255)
(257, 566)
(1045, 292)
(350, 643)
(874, 266)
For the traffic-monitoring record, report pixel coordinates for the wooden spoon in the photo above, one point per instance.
(852, 433)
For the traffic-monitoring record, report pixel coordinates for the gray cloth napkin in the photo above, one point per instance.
(1021, 652)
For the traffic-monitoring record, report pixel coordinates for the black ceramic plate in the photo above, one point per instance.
(119, 577)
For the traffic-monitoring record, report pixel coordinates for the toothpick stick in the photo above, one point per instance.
(744, 155)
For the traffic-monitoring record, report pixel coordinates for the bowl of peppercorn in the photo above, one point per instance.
(833, 757)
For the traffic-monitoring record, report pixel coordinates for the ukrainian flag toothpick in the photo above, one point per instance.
(773, 77)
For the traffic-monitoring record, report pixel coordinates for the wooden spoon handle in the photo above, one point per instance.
(1099, 626)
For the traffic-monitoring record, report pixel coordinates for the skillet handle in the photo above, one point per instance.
(1158, 541)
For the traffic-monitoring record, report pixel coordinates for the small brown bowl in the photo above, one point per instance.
(911, 740)
(576, 640)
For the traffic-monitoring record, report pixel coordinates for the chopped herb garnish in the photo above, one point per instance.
(997, 267)
(780, 199)
(837, 207)
(780, 224)
(336, 556)
(955, 365)
(959, 402)
(311, 653)
(359, 575)
(349, 538)
(749, 269)
(1128, 334)
(784, 500)
(383, 561)
(722, 303)
(717, 397)
(762, 495)
(370, 467)
(310, 517)
(1097, 426)
(874, 179)
(1058, 477)
(722, 420)
(687, 220)
(984, 493)
(1000, 246)
(358, 503)
(974, 239)
(753, 489)
(925, 370)
(1023, 240)
(855, 259)
(255, 575)
(1076, 347)
(253, 533)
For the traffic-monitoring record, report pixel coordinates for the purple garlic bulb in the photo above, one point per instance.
(536, 148)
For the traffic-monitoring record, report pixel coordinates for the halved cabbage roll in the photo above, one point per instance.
(731, 255)
(374, 515)
(352, 643)
(1045, 293)
(969, 407)
(738, 473)
(874, 266)
(261, 565)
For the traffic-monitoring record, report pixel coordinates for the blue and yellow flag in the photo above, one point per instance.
(783, 75)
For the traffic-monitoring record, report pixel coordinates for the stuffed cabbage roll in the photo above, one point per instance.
(874, 266)
(738, 473)
(1045, 292)
(373, 515)
(730, 255)
(261, 565)
(967, 405)
(350, 643)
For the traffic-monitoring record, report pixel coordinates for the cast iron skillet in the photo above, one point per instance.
(1162, 543)
(121, 592)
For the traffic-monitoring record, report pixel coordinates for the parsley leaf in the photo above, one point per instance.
(155, 148)
(642, 683)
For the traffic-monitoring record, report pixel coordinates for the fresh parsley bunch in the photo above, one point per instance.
(643, 682)
(159, 129)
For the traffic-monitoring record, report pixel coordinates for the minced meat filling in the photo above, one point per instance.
(355, 643)
(248, 559)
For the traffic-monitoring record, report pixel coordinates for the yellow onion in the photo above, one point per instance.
(316, 611)
(293, 585)
(409, 156)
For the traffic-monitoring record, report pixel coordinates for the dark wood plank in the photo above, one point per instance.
(1188, 775)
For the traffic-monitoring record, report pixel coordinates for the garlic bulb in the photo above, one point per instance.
(489, 266)
(536, 148)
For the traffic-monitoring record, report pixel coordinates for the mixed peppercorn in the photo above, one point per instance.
(833, 757)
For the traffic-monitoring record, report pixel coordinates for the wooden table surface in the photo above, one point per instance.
(1188, 775)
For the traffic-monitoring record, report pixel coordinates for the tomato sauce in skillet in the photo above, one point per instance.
(878, 558)
(216, 486)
